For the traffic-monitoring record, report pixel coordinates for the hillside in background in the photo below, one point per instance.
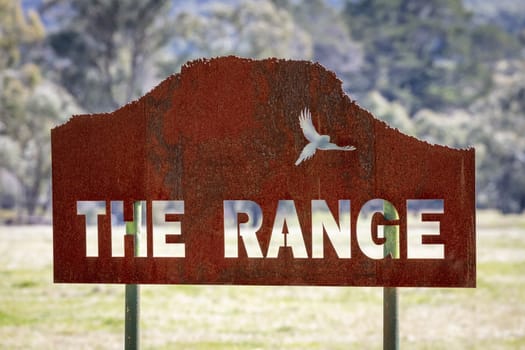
(447, 71)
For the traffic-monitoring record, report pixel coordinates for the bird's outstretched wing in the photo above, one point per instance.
(305, 121)
(307, 153)
(332, 146)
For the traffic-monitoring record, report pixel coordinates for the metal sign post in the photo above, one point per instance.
(390, 299)
(131, 327)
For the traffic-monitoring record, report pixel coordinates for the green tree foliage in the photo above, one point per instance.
(29, 107)
(392, 112)
(507, 14)
(255, 29)
(447, 71)
(495, 126)
(104, 49)
(499, 139)
(425, 53)
(332, 42)
(16, 31)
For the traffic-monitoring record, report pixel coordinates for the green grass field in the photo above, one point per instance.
(37, 314)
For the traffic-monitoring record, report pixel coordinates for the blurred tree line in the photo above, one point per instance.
(447, 71)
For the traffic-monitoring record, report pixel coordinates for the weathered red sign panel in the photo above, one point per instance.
(265, 173)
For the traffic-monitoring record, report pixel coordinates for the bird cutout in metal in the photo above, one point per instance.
(321, 142)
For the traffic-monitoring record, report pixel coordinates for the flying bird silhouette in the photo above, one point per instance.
(317, 141)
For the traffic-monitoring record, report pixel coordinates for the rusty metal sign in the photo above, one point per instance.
(258, 173)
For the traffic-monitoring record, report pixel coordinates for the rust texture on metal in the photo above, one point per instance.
(228, 129)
